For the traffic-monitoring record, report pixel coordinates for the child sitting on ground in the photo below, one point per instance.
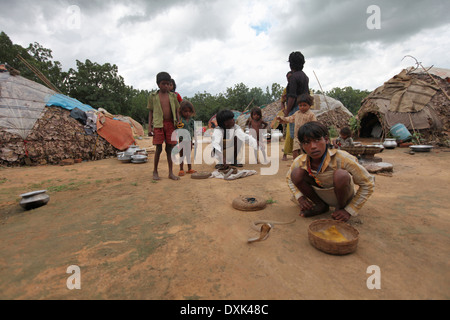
(345, 138)
(187, 122)
(227, 130)
(255, 123)
(324, 177)
(302, 116)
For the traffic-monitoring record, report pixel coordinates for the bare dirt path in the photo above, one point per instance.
(134, 238)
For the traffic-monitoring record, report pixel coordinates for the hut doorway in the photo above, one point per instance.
(371, 126)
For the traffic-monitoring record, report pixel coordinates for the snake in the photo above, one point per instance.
(264, 230)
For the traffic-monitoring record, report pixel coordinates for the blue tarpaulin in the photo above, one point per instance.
(68, 103)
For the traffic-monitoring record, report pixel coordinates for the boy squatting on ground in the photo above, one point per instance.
(325, 177)
(163, 117)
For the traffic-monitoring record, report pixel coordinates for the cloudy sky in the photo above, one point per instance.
(211, 45)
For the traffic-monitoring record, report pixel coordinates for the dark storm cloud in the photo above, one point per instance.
(329, 27)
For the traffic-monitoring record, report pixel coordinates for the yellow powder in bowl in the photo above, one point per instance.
(331, 234)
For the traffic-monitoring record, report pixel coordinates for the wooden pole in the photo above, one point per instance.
(432, 78)
(326, 101)
(39, 74)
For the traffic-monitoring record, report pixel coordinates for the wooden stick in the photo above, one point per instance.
(326, 101)
(38, 74)
(432, 78)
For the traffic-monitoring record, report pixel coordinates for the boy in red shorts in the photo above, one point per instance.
(162, 119)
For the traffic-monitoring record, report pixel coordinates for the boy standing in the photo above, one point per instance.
(325, 177)
(162, 119)
(298, 82)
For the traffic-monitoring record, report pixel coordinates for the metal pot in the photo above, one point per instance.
(131, 151)
(390, 144)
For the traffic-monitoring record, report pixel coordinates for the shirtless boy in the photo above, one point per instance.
(162, 119)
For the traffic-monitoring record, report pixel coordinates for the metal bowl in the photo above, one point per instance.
(138, 162)
(34, 200)
(124, 159)
(421, 148)
(139, 157)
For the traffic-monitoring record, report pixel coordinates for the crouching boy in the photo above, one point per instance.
(323, 177)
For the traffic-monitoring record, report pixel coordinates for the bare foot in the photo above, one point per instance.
(156, 176)
(173, 177)
(318, 209)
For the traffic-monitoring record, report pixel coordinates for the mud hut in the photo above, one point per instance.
(331, 112)
(416, 98)
(40, 126)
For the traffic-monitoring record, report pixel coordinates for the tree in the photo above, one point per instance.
(349, 97)
(238, 97)
(277, 92)
(99, 86)
(207, 105)
(35, 55)
(138, 105)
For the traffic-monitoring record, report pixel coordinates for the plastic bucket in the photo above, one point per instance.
(400, 132)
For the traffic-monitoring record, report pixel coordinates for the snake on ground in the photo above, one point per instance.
(264, 230)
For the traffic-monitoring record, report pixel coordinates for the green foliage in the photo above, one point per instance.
(138, 105)
(417, 138)
(333, 132)
(99, 86)
(239, 98)
(355, 125)
(37, 56)
(350, 98)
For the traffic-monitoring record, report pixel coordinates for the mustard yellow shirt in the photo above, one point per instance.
(154, 104)
(338, 159)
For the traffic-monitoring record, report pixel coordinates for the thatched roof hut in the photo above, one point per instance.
(415, 98)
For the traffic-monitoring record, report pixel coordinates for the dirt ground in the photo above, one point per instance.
(134, 238)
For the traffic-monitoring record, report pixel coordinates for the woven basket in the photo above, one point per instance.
(333, 247)
(249, 203)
